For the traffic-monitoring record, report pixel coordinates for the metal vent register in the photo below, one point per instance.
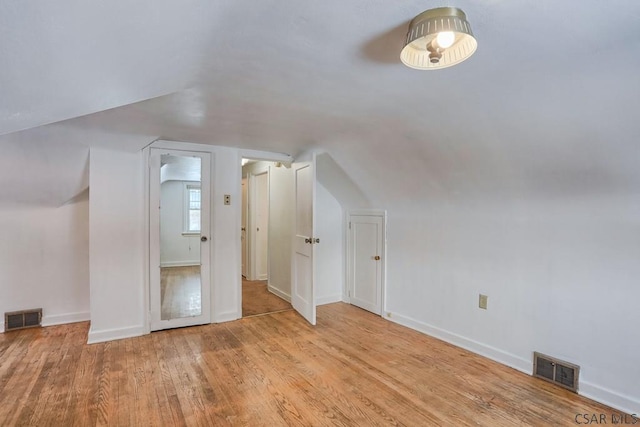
(556, 371)
(22, 319)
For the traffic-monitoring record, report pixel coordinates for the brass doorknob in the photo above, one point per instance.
(377, 257)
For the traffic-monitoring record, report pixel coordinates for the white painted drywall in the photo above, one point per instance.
(329, 253)
(339, 184)
(561, 276)
(44, 261)
(116, 230)
(176, 248)
(225, 232)
(44, 227)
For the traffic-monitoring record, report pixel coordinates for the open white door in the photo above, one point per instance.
(302, 264)
(179, 239)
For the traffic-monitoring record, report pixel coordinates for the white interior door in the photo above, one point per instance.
(366, 250)
(179, 238)
(243, 231)
(302, 272)
(262, 225)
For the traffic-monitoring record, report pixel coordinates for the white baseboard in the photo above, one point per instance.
(180, 263)
(279, 293)
(611, 398)
(61, 319)
(227, 316)
(114, 334)
(329, 299)
(511, 360)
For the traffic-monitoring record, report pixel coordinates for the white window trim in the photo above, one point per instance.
(185, 208)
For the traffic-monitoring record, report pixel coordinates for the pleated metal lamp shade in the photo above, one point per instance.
(422, 51)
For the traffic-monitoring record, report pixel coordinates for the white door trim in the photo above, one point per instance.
(155, 320)
(349, 258)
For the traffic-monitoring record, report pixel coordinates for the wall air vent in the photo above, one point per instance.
(556, 371)
(22, 319)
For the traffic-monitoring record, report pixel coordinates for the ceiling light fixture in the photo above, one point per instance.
(438, 38)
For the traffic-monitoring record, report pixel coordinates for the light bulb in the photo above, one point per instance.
(445, 39)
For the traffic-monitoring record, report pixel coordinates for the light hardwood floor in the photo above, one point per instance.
(180, 292)
(256, 299)
(352, 369)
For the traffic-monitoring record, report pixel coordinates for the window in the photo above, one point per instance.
(192, 204)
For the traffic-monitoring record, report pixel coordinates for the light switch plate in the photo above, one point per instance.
(482, 301)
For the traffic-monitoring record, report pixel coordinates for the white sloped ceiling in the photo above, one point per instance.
(546, 105)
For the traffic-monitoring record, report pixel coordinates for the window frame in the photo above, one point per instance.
(186, 208)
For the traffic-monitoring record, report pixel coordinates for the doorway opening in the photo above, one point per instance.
(266, 237)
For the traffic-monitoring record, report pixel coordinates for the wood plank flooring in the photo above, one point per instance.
(352, 369)
(180, 292)
(256, 299)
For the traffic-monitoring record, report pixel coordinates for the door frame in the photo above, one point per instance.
(222, 183)
(348, 263)
(154, 188)
(146, 151)
(265, 156)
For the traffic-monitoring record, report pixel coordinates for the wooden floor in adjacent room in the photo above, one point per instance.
(256, 299)
(352, 369)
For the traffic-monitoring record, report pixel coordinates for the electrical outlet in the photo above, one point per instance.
(227, 199)
(482, 302)
(388, 314)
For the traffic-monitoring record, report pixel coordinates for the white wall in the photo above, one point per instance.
(44, 261)
(226, 255)
(176, 249)
(44, 227)
(116, 231)
(329, 253)
(118, 241)
(561, 276)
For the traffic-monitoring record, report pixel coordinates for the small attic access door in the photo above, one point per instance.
(366, 253)
(304, 241)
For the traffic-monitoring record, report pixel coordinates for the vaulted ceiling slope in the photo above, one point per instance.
(546, 107)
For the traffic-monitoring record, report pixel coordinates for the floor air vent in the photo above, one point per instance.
(556, 371)
(22, 319)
